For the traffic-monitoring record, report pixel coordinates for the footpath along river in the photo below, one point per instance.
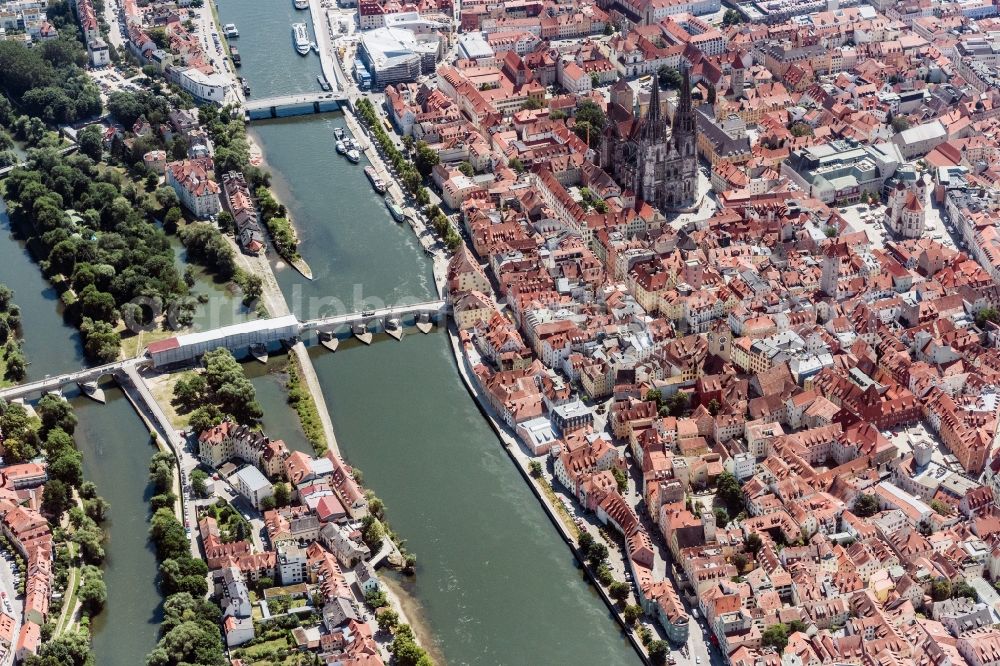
(495, 584)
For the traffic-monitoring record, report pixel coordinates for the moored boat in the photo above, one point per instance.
(230, 31)
(301, 4)
(246, 85)
(323, 83)
(377, 183)
(341, 148)
(300, 38)
(338, 133)
(353, 155)
(394, 210)
(234, 52)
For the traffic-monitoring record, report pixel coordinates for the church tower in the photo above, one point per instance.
(683, 125)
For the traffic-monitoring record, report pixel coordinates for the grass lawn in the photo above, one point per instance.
(133, 343)
(162, 388)
(560, 507)
(254, 652)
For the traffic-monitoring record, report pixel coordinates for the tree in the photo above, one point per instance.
(597, 554)
(729, 491)
(796, 626)
(987, 315)
(866, 505)
(372, 532)
(101, 341)
(56, 413)
(801, 129)
(941, 589)
(70, 648)
(776, 636)
(941, 508)
(586, 542)
(533, 104)
(93, 592)
(56, 498)
(198, 478)
(91, 142)
(189, 642)
(90, 539)
(376, 598)
(721, 516)
(740, 561)
(631, 613)
(753, 543)
(658, 651)
(670, 78)
(731, 17)
(388, 619)
(963, 589)
(168, 535)
(184, 574)
(620, 478)
(516, 165)
(900, 124)
(466, 169)
(125, 107)
(425, 159)
(619, 591)
(97, 509)
(161, 472)
(535, 468)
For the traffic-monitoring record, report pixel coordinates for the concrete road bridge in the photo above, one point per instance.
(285, 106)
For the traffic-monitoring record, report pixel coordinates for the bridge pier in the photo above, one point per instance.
(93, 391)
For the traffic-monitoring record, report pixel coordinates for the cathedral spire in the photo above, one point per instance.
(683, 124)
(653, 112)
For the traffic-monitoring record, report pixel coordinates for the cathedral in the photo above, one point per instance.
(656, 161)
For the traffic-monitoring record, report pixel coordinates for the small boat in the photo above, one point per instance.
(329, 340)
(300, 38)
(230, 30)
(323, 83)
(394, 210)
(362, 333)
(341, 148)
(338, 133)
(259, 352)
(234, 52)
(377, 183)
(246, 85)
(301, 4)
(353, 155)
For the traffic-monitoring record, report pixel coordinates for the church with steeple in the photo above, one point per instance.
(652, 156)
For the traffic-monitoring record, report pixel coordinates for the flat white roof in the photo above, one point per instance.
(252, 478)
(237, 329)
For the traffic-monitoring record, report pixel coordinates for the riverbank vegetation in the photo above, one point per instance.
(12, 362)
(221, 390)
(189, 633)
(92, 232)
(305, 406)
(411, 174)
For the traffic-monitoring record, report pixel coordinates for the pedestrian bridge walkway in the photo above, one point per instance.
(428, 308)
(40, 387)
(238, 337)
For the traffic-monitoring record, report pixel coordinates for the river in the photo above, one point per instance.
(116, 453)
(495, 584)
